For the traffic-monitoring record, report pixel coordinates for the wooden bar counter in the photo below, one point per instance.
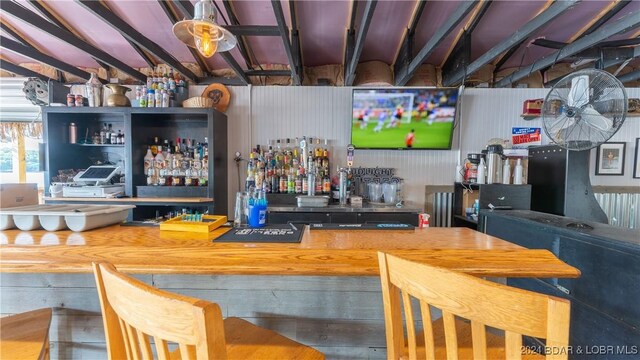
(323, 292)
(321, 252)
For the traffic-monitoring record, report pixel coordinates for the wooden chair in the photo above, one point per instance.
(517, 312)
(134, 312)
(25, 335)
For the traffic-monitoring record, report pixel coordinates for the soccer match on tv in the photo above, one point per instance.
(403, 118)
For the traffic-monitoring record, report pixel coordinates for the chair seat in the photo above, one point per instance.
(495, 343)
(25, 335)
(248, 341)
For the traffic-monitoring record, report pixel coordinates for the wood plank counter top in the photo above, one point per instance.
(343, 253)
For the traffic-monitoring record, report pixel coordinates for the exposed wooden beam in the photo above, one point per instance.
(472, 22)
(605, 15)
(173, 17)
(295, 37)
(22, 71)
(632, 76)
(622, 25)
(284, 34)
(406, 72)
(132, 34)
(517, 37)
(28, 16)
(243, 46)
(404, 53)
(350, 70)
(22, 39)
(235, 81)
(36, 55)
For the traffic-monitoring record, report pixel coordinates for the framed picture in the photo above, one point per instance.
(636, 161)
(610, 158)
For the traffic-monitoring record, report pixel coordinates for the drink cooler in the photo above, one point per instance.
(59, 217)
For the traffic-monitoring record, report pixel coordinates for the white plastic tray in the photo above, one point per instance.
(59, 217)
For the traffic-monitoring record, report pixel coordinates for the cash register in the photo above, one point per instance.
(95, 182)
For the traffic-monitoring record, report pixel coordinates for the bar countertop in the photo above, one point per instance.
(342, 253)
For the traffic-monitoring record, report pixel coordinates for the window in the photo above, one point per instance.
(6, 160)
(10, 164)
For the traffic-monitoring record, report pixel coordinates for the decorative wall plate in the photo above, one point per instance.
(220, 96)
(36, 91)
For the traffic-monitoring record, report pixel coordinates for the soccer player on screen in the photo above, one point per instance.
(381, 118)
(408, 140)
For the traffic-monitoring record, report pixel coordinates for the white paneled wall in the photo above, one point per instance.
(257, 114)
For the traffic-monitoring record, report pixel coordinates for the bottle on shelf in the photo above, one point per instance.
(148, 160)
(154, 146)
(103, 134)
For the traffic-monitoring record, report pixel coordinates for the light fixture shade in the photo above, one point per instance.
(204, 18)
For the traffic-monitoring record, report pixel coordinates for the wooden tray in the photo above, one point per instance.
(208, 224)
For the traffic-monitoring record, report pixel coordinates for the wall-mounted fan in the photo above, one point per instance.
(584, 109)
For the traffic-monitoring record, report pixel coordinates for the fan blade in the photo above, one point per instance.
(579, 92)
(559, 123)
(596, 120)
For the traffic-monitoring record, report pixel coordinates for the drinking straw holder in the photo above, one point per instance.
(194, 223)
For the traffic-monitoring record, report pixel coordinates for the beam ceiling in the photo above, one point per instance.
(350, 69)
(284, 33)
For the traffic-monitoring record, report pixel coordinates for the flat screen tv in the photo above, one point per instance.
(403, 118)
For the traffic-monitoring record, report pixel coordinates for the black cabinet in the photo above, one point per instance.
(140, 126)
(278, 217)
(515, 197)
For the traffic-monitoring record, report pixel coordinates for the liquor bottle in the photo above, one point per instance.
(282, 184)
(108, 135)
(120, 138)
(114, 135)
(250, 183)
(103, 134)
(298, 186)
(168, 167)
(148, 160)
(204, 177)
(326, 184)
(159, 166)
(188, 179)
(275, 182)
(154, 146)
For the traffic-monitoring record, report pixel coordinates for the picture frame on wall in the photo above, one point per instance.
(636, 161)
(610, 158)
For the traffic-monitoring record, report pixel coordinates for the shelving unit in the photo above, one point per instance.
(139, 125)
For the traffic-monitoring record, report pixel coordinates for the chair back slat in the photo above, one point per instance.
(484, 303)
(479, 340)
(410, 325)
(145, 345)
(131, 307)
(427, 326)
(450, 335)
(513, 345)
(162, 349)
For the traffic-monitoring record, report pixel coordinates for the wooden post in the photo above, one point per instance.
(22, 157)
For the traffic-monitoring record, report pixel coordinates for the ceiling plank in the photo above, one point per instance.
(404, 54)
(406, 72)
(474, 20)
(28, 16)
(243, 46)
(622, 25)
(284, 34)
(517, 37)
(350, 70)
(36, 55)
(21, 71)
(173, 17)
(253, 30)
(132, 34)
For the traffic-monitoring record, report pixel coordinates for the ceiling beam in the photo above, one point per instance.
(186, 7)
(634, 75)
(350, 38)
(22, 71)
(350, 70)
(610, 11)
(45, 10)
(517, 37)
(295, 38)
(28, 16)
(406, 72)
(268, 73)
(13, 32)
(466, 30)
(173, 17)
(405, 50)
(284, 34)
(243, 46)
(226, 55)
(253, 30)
(624, 24)
(36, 55)
(132, 34)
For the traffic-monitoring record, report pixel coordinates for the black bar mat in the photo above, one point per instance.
(361, 227)
(275, 233)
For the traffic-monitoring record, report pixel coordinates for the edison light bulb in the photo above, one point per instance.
(203, 40)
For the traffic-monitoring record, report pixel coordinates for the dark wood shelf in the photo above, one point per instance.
(100, 145)
(464, 218)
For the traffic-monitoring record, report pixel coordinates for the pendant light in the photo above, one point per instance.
(203, 33)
